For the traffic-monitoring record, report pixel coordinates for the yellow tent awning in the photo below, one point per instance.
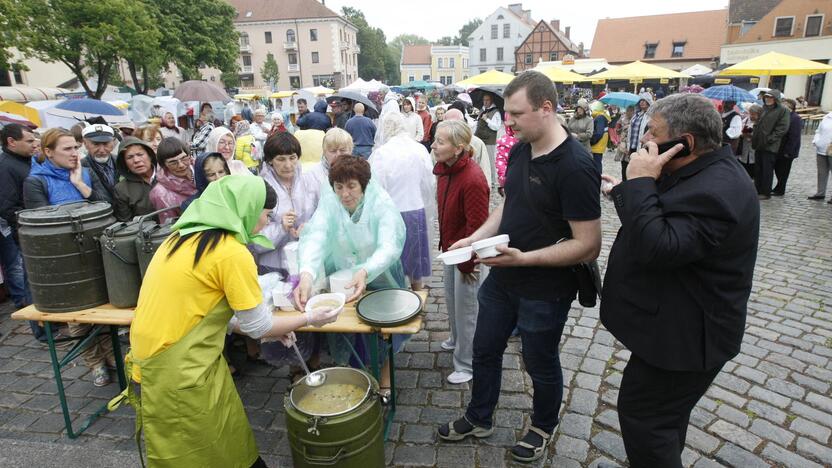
(283, 94)
(775, 63)
(638, 70)
(17, 108)
(559, 75)
(246, 97)
(489, 78)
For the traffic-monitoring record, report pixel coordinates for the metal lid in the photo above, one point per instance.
(389, 307)
(334, 376)
(64, 214)
(126, 229)
(153, 230)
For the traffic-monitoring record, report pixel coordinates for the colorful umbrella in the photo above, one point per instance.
(82, 109)
(621, 99)
(728, 93)
(775, 63)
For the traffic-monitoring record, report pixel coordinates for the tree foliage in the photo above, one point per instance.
(11, 21)
(371, 60)
(466, 30)
(270, 71)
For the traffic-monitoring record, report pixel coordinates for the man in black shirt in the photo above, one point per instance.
(552, 215)
(679, 274)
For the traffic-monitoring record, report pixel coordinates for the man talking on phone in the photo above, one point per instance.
(679, 273)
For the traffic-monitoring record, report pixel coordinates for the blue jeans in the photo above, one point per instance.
(540, 324)
(363, 151)
(14, 276)
(598, 159)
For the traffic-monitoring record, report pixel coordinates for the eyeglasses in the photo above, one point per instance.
(183, 160)
(225, 144)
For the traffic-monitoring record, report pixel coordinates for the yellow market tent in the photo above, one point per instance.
(638, 71)
(283, 94)
(247, 97)
(489, 78)
(318, 90)
(559, 75)
(17, 108)
(775, 63)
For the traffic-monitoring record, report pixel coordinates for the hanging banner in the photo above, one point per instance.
(664, 81)
(754, 80)
(599, 81)
(635, 81)
(722, 81)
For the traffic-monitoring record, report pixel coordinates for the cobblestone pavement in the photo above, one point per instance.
(771, 405)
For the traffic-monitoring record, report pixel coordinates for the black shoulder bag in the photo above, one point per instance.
(587, 274)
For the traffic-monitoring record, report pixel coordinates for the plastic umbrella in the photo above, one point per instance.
(621, 99)
(6, 118)
(775, 63)
(202, 91)
(728, 93)
(371, 111)
(496, 93)
(82, 109)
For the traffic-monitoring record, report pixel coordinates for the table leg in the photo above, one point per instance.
(374, 367)
(59, 383)
(391, 409)
(122, 380)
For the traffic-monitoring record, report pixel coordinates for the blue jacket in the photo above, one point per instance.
(362, 130)
(49, 182)
(790, 147)
(317, 120)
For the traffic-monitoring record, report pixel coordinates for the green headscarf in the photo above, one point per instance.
(232, 203)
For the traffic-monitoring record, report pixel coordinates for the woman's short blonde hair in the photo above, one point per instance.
(337, 138)
(147, 132)
(459, 133)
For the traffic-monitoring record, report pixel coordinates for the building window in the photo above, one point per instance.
(315, 58)
(528, 59)
(499, 54)
(650, 50)
(506, 30)
(411, 79)
(746, 25)
(483, 70)
(553, 56)
(243, 40)
(813, 25)
(246, 60)
(313, 35)
(290, 36)
(18, 76)
(439, 62)
(294, 82)
(678, 49)
(451, 62)
(783, 26)
(482, 55)
(293, 59)
(268, 37)
(322, 80)
(494, 31)
(464, 63)
(426, 77)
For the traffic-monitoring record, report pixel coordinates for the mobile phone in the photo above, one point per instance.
(663, 147)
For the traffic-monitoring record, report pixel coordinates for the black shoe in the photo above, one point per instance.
(777, 194)
(816, 197)
(763, 197)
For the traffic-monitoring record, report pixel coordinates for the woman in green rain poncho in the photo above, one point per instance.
(202, 275)
(356, 227)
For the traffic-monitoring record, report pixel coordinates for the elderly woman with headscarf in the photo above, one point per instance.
(221, 140)
(278, 124)
(137, 163)
(412, 120)
(403, 168)
(169, 128)
(174, 179)
(581, 125)
(247, 148)
(391, 104)
(209, 167)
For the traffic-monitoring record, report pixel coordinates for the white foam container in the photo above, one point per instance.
(280, 296)
(290, 253)
(456, 256)
(315, 300)
(487, 248)
(339, 280)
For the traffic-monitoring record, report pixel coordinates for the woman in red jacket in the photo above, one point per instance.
(462, 197)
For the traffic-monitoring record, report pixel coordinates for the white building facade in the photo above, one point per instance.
(492, 44)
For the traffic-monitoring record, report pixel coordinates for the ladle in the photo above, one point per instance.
(313, 380)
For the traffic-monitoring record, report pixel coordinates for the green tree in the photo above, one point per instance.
(231, 78)
(466, 31)
(10, 24)
(371, 60)
(270, 72)
(445, 41)
(88, 37)
(394, 54)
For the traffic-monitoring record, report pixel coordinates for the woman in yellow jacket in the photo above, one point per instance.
(600, 138)
(201, 282)
(248, 149)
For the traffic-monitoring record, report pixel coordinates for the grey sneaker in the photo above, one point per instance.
(448, 344)
(101, 376)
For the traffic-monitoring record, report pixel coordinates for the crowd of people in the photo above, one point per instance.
(359, 195)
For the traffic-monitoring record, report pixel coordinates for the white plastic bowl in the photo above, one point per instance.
(487, 248)
(456, 256)
(339, 280)
(290, 252)
(320, 299)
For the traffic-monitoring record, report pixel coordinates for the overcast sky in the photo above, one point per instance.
(433, 19)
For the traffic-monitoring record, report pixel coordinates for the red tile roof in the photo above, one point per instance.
(416, 55)
(274, 10)
(623, 39)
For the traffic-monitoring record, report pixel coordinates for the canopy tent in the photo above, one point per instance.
(420, 84)
(41, 107)
(247, 97)
(23, 111)
(364, 87)
(559, 75)
(319, 90)
(638, 71)
(489, 78)
(26, 93)
(775, 63)
(696, 70)
(282, 94)
(580, 66)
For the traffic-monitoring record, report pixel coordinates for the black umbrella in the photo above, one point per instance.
(496, 96)
(370, 109)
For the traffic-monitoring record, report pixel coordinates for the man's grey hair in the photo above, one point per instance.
(694, 114)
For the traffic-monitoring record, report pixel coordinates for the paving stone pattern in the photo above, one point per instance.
(771, 405)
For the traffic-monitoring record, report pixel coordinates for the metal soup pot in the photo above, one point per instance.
(351, 437)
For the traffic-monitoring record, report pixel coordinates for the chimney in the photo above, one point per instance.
(555, 24)
(516, 8)
(566, 31)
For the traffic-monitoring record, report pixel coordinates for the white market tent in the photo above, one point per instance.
(696, 70)
(27, 93)
(364, 87)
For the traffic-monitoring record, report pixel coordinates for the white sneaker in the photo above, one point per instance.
(458, 377)
(448, 344)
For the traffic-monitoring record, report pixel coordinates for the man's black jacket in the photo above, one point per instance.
(14, 169)
(680, 270)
